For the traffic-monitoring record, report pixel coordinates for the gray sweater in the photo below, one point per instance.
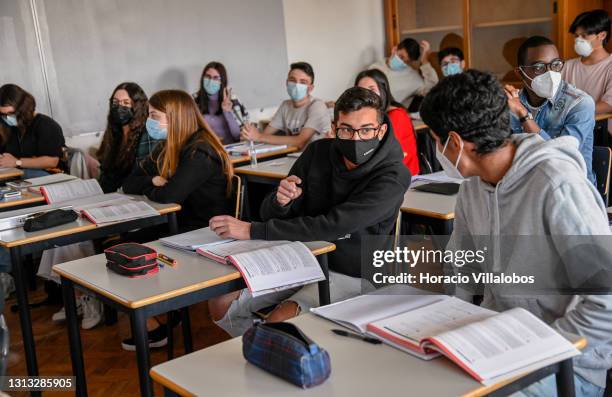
(544, 218)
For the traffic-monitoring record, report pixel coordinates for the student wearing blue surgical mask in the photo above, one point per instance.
(408, 70)
(451, 61)
(214, 98)
(302, 118)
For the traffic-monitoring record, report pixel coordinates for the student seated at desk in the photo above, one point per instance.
(549, 106)
(302, 119)
(408, 70)
(451, 61)
(214, 99)
(125, 140)
(28, 140)
(523, 185)
(376, 81)
(339, 190)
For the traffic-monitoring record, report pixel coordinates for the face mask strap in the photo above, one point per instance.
(460, 151)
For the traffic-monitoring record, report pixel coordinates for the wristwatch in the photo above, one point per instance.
(526, 117)
(18, 163)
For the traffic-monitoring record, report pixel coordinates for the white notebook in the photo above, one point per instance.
(194, 239)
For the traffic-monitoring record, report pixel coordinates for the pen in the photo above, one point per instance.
(353, 335)
(166, 260)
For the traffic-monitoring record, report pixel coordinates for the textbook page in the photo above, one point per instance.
(71, 190)
(244, 148)
(103, 200)
(439, 177)
(504, 345)
(50, 179)
(356, 313)
(277, 267)
(121, 212)
(194, 239)
(240, 246)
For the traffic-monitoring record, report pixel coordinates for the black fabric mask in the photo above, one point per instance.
(121, 115)
(357, 152)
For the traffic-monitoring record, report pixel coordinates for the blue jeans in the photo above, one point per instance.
(33, 173)
(547, 387)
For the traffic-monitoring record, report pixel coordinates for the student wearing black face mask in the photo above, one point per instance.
(125, 140)
(339, 190)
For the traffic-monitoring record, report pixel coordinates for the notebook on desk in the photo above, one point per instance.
(194, 239)
(446, 188)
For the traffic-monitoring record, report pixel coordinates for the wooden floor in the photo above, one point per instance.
(110, 370)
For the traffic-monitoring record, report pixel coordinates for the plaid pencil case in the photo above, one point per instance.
(283, 350)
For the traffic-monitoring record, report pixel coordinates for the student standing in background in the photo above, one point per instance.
(376, 81)
(125, 140)
(214, 99)
(28, 140)
(408, 70)
(302, 118)
(451, 61)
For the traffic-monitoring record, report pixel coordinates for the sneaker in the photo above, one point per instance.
(157, 338)
(92, 312)
(7, 283)
(60, 316)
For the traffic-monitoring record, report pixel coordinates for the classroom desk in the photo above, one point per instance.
(27, 199)
(358, 369)
(195, 279)
(269, 172)
(10, 173)
(20, 243)
(241, 160)
(419, 126)
(434, 210)
(603, 116)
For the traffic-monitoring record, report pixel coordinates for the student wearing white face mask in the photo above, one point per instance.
(300, 119)
(549, 106)
(592, 70)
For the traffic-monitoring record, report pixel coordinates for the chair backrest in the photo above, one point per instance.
(602, 160)
(237, 190)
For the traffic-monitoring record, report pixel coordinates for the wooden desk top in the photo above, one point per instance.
(419, 125)
(274, 169)
(193, 272)
(26, 198)
(438, 206)
(10, 173)
(603, 116)
(18, 236)
(358, 369)
(261, 156)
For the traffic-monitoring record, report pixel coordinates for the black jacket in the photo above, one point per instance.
(339, 205)
(198, 185)
(112, 172)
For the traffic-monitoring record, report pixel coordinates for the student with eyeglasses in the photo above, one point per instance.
(549, 106)
(340, 190)
(451, 61)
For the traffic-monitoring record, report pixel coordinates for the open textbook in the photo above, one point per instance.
(488, 345)
(194, 239)
(76, 189)
(243, 148)
(268, 266)
(119, 212)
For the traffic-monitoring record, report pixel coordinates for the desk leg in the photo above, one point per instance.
(24, 312)
(172, 223)
(74, 337)
(565, 379)
(186, 326)
(139, 333)
(324, 298)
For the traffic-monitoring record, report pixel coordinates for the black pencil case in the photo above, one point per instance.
(131, 259)
(49, 219)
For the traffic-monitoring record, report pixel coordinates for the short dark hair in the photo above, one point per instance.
(304, 67)
(474, 105)
(532, 42)
(593, 22)
(411, 46)
(450, 51)
(386, 97)
(357, 98)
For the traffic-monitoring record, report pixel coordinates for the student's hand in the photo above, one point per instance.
(514, 102)
(425, 51)
(159, 181)
(229, 227)
(7, 160)
(250, 133)
(226, 105)
(288, 190)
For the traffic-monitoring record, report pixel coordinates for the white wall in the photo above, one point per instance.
(339, 38)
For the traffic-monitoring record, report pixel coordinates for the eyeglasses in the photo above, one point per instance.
(365, 134)
(124, 102)
(540, 68)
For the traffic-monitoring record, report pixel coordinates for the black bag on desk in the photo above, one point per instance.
(49, 219)
(131, 259)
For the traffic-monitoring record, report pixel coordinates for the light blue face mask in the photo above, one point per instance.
(297, 91)
(155, 130)
(451, 68)
(211, 86)
(10, 120)
(396, 63)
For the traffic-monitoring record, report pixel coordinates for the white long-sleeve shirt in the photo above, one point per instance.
(407, 83)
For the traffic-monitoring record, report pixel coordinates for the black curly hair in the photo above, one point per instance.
(474, 105)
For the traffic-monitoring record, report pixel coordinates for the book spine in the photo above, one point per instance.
(452, 357)
(45, 194)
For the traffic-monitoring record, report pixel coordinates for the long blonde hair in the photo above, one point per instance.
(185, 120)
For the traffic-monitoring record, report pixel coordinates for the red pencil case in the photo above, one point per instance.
(131, 259)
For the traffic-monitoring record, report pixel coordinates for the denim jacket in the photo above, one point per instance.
(570, 112)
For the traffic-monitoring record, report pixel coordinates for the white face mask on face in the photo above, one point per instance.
(583, 47)
(451, 170)
(546, 85)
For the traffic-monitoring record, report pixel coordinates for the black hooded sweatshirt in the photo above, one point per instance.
(338, 205)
